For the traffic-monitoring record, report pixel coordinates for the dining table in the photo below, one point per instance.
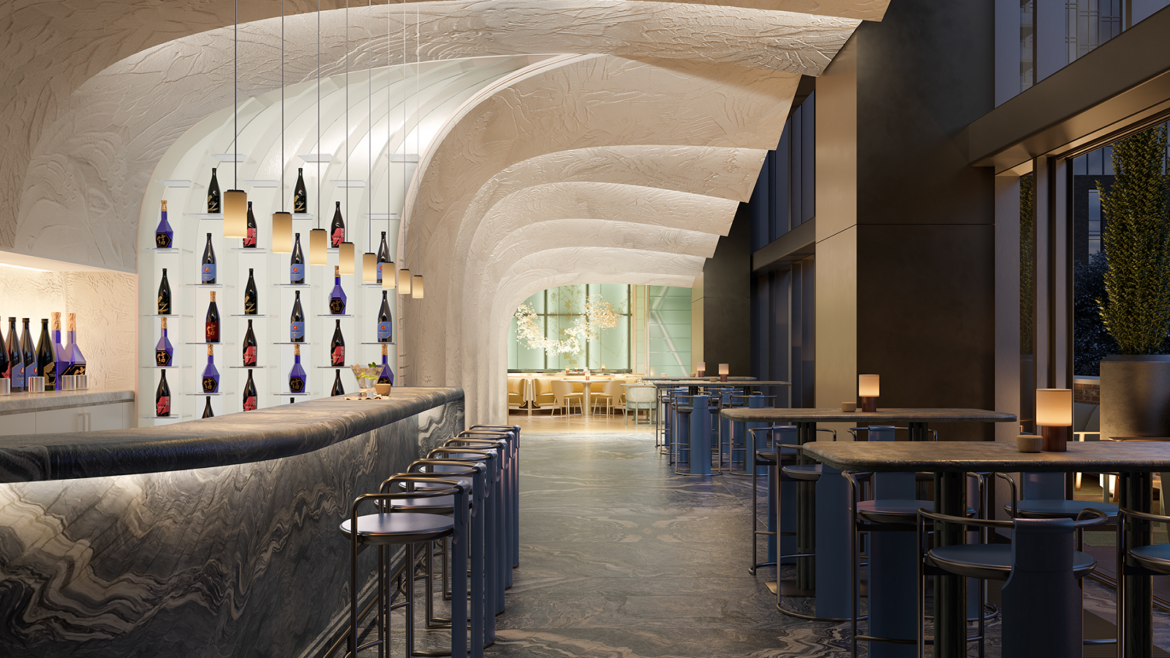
(1133, 461)
(820, 504)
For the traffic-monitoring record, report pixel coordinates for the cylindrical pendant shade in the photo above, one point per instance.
(404, 281)
(282, 233)
(1054, 407)
(416, 287)
(868, 386)
(369, 268)
(318, 246)
(345, 257)
(389, 276)
(235, 214)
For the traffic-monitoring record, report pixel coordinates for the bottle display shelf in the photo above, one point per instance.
(291, 285)
(165, 315)
(249, 315)
(207, 343)
(302, 215)
(304, 343)
(165, 417)
(263, 183)
(209, 286)
(377, 343)
(249, 250)
(206, 215)
(208, 395)
(295, 395)
(330, 315)
(164, 367)
(169, 250)
(172, 182)
(249, 367)
(348, 366)
(375, 285)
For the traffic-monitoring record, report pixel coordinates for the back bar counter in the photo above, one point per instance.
(214, 537)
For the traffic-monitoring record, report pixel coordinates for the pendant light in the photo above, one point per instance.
(404, 273)
(369, 259)
(390, 279)
(282, 233)
(235, 201)
(345, 251)
(318, 237)
(416, 284)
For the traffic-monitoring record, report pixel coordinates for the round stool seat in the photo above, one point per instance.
(992, 561)
(400, 528)
(763, 457)
(895, 510)
(439, 505)
(1061, 509)
(803, 472)
(1154, 558)
(464, 482)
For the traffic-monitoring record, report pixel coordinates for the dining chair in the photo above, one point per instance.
(565, 396)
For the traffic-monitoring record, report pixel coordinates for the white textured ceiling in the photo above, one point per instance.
(620, 159)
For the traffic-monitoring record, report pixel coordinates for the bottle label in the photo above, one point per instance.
(210, 384)
(250, 239)
(7, 374)
(384, 332)
(297, 273)
(299, 204)
(50, 376)
(337, 306)
(163, 406)
(339, 355)
(250, 355)
(338, 236)
(163, 239)
(17, 375)
(161, 358)
(384, 380)
(297, 332)
(208, 274)
(212, 203)
(164, 306)
(250, 403)
(213, 332)
(249, 305)
(296, 384)
(379, 271)
(76, 369)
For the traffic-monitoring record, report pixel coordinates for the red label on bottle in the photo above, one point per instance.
(213, 332)
(338, 236)
(250, 239)
(250, 356)
(250, 403)
(339, 355)
(163, 406)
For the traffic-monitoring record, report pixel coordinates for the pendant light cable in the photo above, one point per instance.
(346, 113)
(370, 142)
(417, 128)
(318, 158)
(236, 99)
(283, 165)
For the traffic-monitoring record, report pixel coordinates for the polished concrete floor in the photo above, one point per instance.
(619, 557)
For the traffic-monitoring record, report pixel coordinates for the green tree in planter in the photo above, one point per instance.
(1136, 241)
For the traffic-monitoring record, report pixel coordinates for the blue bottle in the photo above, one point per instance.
(386, 375)
(210, 374)
(164, 236)
(337, 297)
(296, 376)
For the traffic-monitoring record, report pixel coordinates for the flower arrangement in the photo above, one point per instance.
(599, 314)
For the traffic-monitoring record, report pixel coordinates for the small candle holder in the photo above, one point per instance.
(868, 388)
(36, 384)
(724, 370)
(5, 387)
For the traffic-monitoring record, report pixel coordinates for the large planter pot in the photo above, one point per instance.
(1135, 396)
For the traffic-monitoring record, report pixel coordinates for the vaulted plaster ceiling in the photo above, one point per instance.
(611, 144)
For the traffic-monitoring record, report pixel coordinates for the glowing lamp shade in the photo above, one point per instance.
(1054, 407)
(724, 371)
(318, 247)
(345, 256)
(416, 287)
(235, 214)
(389, 276)
(282, 233)
(701, 369)
(369, 268)
(867, 386)
(404, 281)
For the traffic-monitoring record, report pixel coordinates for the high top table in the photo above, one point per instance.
(818, 513)
(1135, 461)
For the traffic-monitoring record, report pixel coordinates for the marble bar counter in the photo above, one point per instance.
(19, 403)
(214, 537)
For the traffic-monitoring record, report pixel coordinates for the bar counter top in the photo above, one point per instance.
(19, 403)
(270, 433)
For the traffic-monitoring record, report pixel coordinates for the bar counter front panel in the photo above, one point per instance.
(214, 537)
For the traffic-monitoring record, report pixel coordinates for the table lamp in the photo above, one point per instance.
(724, 370)
(702, 369)
(867, 390)
(1054, 416)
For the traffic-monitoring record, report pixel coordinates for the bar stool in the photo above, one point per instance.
(469, 475)
(682, 405)
(387, 529)
(500, 490)
(1040, 554)
(515, 431)
(755, 401)
(1051, 503)
(511, 476)
(1150, 560)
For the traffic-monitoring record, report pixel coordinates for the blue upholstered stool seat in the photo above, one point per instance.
(803, 472)
(439, 505)
(1060, 509)
(993, 561)
(464, 482)
(1154, 558)
(400, 528)
(895, 510)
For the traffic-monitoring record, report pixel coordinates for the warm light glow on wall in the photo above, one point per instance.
(868, 386)
(318, 247)
(1054, 407)
(404, 281)
(235, 214)
(369, 268)
(345, 256)
(416, 287)
(282, 233)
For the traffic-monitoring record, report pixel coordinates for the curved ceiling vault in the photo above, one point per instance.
(612, 146)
